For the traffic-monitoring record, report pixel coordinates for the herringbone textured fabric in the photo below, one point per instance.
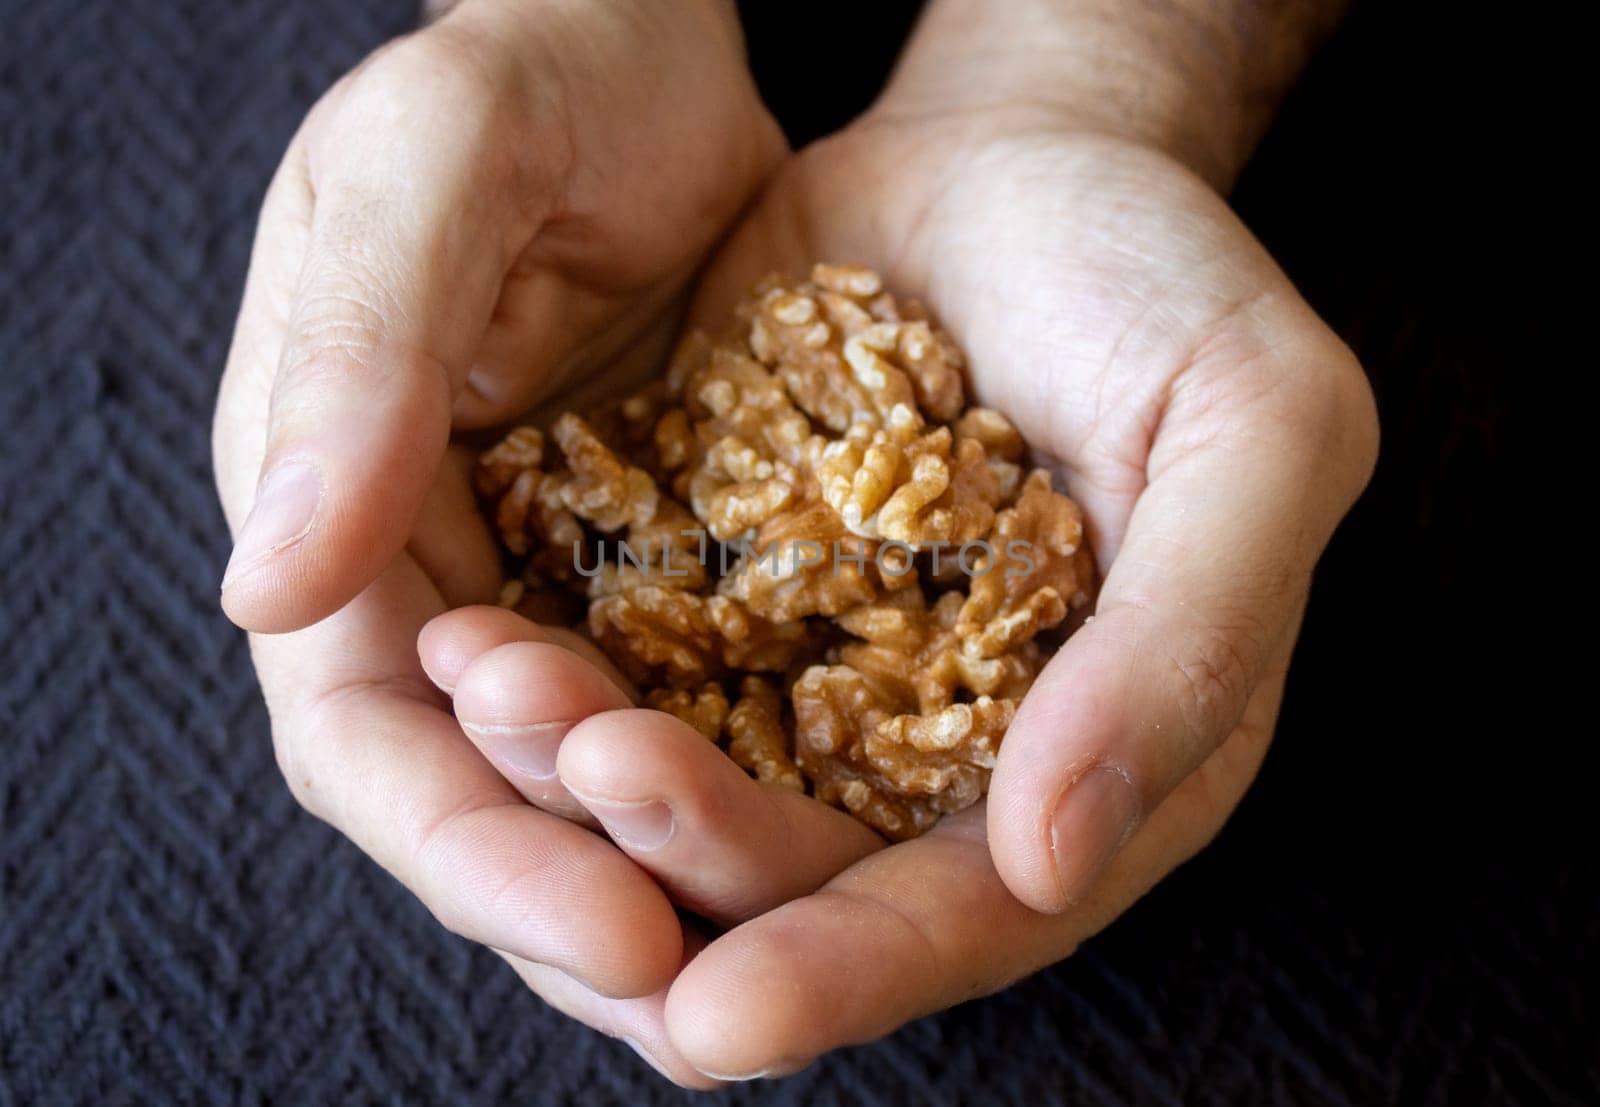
(174, 930)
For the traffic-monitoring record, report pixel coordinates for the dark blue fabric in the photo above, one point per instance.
(1387, 920)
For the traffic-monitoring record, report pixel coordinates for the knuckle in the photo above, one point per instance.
(441, 71)
(341, 334)
(448, 96)
(512, 895)
(444, 901)
(1333, 419)
(446, 905)
(297, 774)
(449, 868)
(451, 916)
(1311, 400)
(1212, 678)
(335, 320)
(1271, 354)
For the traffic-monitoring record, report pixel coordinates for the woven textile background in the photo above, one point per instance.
(1388, 919)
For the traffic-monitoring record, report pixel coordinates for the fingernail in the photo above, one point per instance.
(772, 1072)
(1096, 815)
(286, 503)
(527, 750)
(639, 826)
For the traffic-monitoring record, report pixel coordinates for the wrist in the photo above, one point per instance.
(1198, 80)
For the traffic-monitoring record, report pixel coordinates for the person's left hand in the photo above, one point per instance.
(1215, 432)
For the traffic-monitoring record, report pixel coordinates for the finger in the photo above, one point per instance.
(639, 1022)
(365, 743)
(401, 273)
(723, 845)
(518, 702)
(546, 320)
(1206, 589)
(451, 541)
(239, 432)
(919, 927)
(454, 640)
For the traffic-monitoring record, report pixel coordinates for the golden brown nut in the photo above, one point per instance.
(926, 491)
(916, 652)
(757, 740)
(849, 280)
(1002, 446)
(804, 562)
(896, 772)
(600, 488)
(527, 510)
(734, 394)
(946, 755)
(653, 632)
(508, 459)
(845, 355)
(805, 496)
(705, 710)
(1038, 569)
(675, 442)
(992, 430)
(789, 334)
(668, 552)
(737, 488)
(754, 644)
(934, 365)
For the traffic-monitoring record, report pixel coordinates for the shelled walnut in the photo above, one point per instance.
(805, 543)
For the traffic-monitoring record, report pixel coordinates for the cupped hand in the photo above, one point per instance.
(1215, 432)
(480, 215)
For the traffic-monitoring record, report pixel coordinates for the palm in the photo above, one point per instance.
(1083, 276)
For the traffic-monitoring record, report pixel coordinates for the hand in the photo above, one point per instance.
(1214, 431)
(480, 215)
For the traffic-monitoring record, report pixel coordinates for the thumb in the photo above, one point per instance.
(1204, 595)
(400, 278)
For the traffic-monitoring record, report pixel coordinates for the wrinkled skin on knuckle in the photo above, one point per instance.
(434, 860)
(296, 727)
(1324, 419)
(506, 898)
(1270, 372)
(451, 916)
(345, 302)
(446, 88)
(1212, 674)
(297, 775)
(339, 328)
(439, 69)
(1248, 361)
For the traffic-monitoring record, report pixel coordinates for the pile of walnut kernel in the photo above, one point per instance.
(827, 430)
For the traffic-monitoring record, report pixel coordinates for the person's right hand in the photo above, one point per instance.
(481, 215)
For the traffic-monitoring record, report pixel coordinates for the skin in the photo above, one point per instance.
(1056, 207)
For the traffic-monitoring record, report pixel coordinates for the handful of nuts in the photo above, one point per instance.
(803, 543)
